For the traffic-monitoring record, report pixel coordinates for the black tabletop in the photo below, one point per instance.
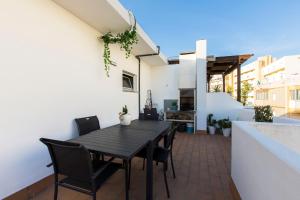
(149, 125)
(123, 141)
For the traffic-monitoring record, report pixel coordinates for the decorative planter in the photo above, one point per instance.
(226, 131)
(125, 119)
(211, 130)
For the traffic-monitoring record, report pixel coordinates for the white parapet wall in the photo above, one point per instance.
(286, 120)
(266, 160)
(222, 105)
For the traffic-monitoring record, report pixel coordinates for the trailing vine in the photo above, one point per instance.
(126, 40)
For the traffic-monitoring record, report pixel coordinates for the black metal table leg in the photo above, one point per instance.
(165, 141)
(126, 180)
(149, 184)
(129, 174)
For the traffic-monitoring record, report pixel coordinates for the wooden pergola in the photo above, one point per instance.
(225, 65)
(221, 65)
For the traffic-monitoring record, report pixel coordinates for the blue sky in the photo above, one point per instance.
(230, 26)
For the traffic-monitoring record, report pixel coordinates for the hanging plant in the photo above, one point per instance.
(126, 40)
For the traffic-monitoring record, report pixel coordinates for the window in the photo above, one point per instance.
(129, 82)
(262, 95)
(295, 95)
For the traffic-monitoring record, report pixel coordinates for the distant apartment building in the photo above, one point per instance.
(279, 85)
(216, 83)
(275, 82)
(250, 73)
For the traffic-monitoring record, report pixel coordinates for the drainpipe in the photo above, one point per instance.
(138, 57)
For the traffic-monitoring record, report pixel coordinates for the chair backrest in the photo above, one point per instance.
(86, 125)
(69, 159)
(150, 114)
(171, 136)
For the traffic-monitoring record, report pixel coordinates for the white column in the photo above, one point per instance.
(201, 65)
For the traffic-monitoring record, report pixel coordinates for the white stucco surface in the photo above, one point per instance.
(265, 160)
(201, 82)
(222, 105)
(164, 84)
(51, 71)
(286, 134)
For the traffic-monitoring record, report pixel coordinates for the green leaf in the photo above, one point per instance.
(126, 40)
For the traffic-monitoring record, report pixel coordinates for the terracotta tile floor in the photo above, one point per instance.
(202, 165)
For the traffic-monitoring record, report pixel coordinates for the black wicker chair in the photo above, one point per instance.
(79, 171)
(162, 154)
(150, 114)
(86, 125)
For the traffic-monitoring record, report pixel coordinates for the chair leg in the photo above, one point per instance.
(94, 190)
(55, 187)
(94, 196)
(166, 181)
(172, 164)
(126, 180)
(55, 192)
(144, 164)
(129, 175)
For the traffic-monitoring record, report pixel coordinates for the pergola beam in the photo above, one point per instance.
(227, 64)
(223, 78)
(238, 82)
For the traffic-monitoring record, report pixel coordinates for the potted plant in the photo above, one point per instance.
(225, 125)
(263, 114)
(125, 117)
(211, 124)
(126, 40)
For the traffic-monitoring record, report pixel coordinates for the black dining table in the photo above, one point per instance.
(125, 142)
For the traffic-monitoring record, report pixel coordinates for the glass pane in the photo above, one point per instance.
(293, 94)
(127, 81)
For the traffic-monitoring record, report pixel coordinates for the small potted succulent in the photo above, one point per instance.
(125, 117)
(225, 125)
(211, 124)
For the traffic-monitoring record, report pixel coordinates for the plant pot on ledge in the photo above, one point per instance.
(125, 120)
(226, 132)
(211, 130)
(211, 124)
(225, 125)
(125, 117)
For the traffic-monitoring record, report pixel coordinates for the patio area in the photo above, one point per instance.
(202, 164)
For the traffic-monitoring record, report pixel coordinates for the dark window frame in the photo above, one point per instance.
(128, 81)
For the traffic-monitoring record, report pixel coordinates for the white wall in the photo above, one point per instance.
(285, 120)
(145, 83)
(164, 84)
(51, 71)
(201, 65)
(222, 105)
(260, 167)
(187, 71)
